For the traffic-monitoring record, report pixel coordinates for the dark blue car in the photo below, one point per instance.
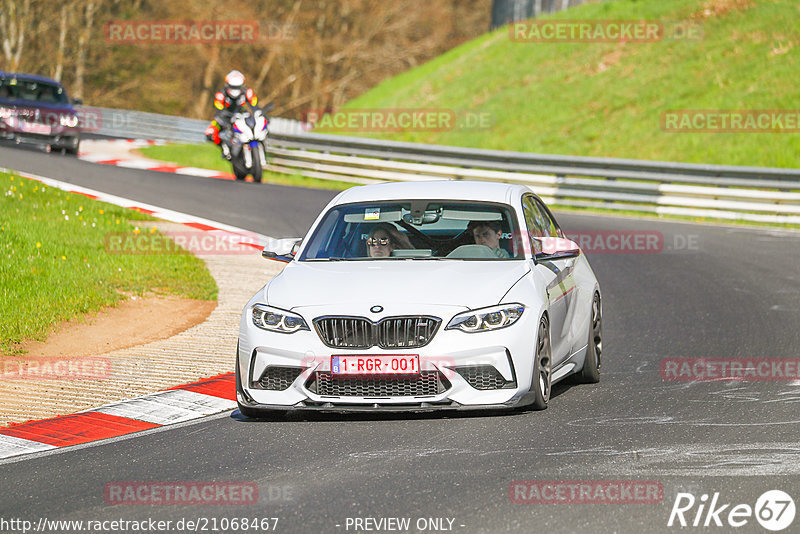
(37, 109)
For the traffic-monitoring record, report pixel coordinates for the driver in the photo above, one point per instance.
(384, 238)
(231, 99)
(488, 233)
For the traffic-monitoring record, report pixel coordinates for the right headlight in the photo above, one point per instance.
(484, 319)
(277, 320)
(70, 121)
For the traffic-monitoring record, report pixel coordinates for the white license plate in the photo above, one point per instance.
(35, 127)
(375, 365)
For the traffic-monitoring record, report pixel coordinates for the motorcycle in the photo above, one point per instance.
(248, 143)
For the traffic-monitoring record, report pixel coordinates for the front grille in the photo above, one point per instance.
(406, 332)
(278, 378)
(426, 383)
(484, 377)
(391, 333)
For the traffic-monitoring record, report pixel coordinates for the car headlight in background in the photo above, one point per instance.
(70, 121)
(492, 318)
(277, 320)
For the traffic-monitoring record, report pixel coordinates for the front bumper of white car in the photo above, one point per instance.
(458, 370)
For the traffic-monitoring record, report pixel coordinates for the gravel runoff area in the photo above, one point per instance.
(201, 351)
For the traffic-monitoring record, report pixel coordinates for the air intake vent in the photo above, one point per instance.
(426, 383)
(484, 377)
(278, 378)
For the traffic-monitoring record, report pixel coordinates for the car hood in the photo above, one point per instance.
(468, 284)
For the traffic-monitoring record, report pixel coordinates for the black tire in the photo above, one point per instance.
(73, 151)
(258, 173)
(590, 374)
(246, 411)
(239, 170)
(541, 381)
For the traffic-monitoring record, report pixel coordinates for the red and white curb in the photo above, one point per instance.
(107, 152)
(176, 405)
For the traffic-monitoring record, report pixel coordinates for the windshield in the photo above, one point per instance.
(32, 91)
(416, 229)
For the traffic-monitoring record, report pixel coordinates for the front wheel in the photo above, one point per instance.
(73, 150)
(540, 386)
(239, 170)
(257, 170)
(590, 374)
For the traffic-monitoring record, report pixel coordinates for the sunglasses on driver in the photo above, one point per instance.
(374, 242)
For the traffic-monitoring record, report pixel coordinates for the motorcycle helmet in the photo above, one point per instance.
(234, 85)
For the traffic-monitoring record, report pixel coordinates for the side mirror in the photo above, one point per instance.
(269, 107)
(556, 248)
(77, 101)
(282, 249)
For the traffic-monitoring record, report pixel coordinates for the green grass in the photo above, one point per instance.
(55, 266)
(207, 156)
(555, 98)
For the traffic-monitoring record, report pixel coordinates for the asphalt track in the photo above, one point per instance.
(711, 292)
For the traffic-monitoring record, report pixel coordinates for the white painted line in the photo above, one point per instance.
(95, 157)
(11, 446)
(144, 164)
(208, 404)
(197, 171)
(168, 407)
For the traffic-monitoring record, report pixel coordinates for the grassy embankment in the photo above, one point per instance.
(55, 266)
(607, 99)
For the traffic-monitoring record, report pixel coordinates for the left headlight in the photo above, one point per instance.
(277, 320)
(70, 121)
(492, 318)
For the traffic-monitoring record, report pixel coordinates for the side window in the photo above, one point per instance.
(534, 224)
(550, 226)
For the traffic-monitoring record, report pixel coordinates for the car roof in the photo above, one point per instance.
(31, 77)
(439, 190)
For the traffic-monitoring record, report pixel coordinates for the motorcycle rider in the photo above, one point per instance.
(230, 100)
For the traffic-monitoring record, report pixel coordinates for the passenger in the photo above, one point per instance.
(488, 233)
(384, 239)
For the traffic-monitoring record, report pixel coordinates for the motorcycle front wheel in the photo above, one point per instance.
(239, 170)
(257, 170)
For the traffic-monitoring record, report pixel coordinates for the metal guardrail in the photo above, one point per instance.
(759, 194)
(141, 125)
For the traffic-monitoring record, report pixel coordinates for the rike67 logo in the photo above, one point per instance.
(774, 510)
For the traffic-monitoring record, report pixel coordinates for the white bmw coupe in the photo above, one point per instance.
(421, 296)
